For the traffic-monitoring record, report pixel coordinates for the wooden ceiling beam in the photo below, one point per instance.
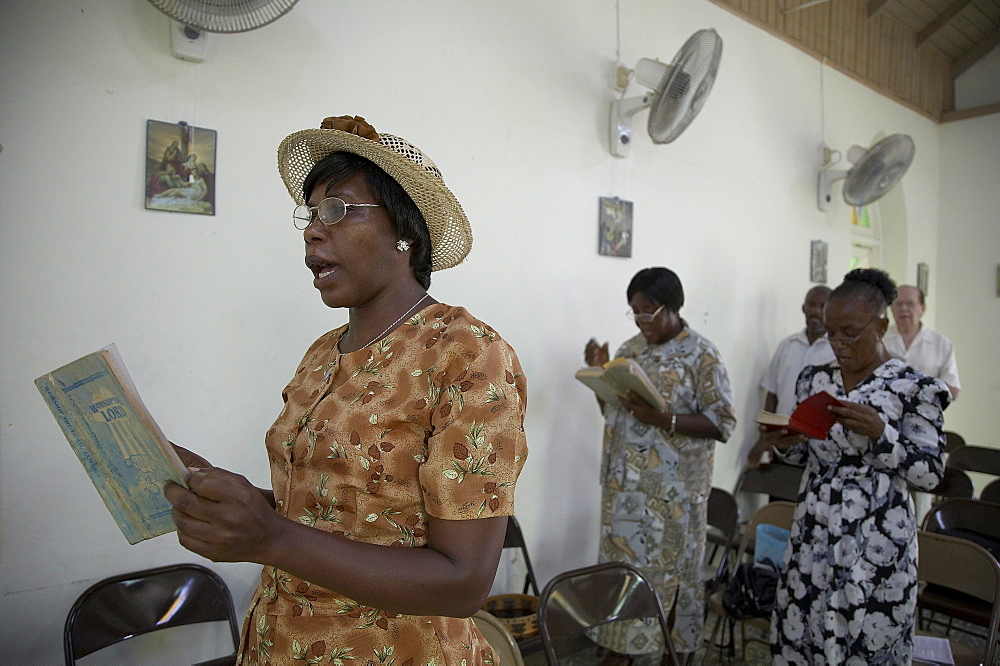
(875, 6)
(941, 21)
(978, 51)
(974, 112)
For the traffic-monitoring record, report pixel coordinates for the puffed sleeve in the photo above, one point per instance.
(477, 445)
(912, 443)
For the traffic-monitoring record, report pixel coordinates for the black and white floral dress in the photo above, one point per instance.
(848, 591)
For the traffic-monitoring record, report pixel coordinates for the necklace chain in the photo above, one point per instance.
(333, 352)
(393, 324)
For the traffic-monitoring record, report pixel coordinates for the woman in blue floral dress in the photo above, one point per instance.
(848, 590)
(656, 468)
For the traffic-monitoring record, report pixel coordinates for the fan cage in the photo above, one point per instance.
(881, 167)
(224, 15)
(686, 86)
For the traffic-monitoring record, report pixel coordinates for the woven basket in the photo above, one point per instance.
(517, 612)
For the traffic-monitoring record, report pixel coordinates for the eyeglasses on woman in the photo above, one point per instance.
(847, 340)
(644, 317)
(330, 211)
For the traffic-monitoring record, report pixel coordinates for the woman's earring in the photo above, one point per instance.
(402, 245)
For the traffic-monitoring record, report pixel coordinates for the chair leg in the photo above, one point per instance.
(711, 639)
(743, 634)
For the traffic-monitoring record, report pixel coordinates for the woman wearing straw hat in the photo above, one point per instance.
(394, 460)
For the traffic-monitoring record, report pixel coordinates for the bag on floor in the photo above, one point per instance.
(751, 590)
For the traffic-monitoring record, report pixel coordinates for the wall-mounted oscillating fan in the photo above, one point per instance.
(193, 18)
(873, 173)
(676, 92)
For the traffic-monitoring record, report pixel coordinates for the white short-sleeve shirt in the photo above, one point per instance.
(930, 353)
(793, 354)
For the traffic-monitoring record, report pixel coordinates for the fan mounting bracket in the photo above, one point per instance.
(187, 43)
(620, 124)
(826, 178)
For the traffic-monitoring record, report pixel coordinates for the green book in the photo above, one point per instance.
(121, 447)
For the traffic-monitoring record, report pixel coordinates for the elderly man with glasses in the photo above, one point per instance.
(917, 345)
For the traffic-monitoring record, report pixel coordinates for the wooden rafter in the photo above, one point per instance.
(980, 50)
(875, 6)
(877, 42)
(953, 10)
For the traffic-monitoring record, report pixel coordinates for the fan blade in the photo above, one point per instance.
(685, 86)
(878, 169)
(224, 15)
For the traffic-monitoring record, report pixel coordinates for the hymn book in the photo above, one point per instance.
(618, 377)
(122, 449)
(810, 418)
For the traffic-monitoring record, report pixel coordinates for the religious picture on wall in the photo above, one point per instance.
(615, 227)
(180, 168)
(923, 276)
(817, 261)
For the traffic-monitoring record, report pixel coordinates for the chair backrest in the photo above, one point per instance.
(978, 574)
(586, 601)
(779, 513)
(961, 513)
(976, 459)
(515, 539)
(723, 515)
(132, 604)
(991, 492)
(967, 519)
(499, 638)
(774, 479)
(954, 483)
(952, 440)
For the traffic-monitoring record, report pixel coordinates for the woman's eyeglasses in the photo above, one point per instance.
(329, 211)
(644, 317)
(847, 340)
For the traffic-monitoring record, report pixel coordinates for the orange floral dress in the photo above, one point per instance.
(429, 421)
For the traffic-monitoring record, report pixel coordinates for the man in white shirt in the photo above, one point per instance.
(923, 349)
(807, 347)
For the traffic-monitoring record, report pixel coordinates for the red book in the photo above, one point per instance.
(810, 418)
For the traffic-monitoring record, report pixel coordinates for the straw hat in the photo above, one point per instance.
(450, 232)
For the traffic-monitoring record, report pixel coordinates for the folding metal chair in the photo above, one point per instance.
(962, 568)
(606, 611)
(723, 530)
(129, 605)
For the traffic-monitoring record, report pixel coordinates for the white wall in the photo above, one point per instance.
(967, 287)
(510, 99)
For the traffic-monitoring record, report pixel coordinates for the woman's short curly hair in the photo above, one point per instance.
(870, 284)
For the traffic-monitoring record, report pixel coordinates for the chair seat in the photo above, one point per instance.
(959, 605)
